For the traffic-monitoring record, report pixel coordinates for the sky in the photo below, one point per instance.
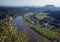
(29, 2)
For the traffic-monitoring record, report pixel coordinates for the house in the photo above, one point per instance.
(45, 24)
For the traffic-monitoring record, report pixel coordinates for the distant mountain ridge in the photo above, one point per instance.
(33, 8)
(44, 8)
(51, 7)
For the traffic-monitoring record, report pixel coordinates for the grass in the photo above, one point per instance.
(41, 15)
(46, 32)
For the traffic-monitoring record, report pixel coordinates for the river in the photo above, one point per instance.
(21, 25)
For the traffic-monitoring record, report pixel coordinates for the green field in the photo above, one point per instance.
(41, 15)
(45, 32)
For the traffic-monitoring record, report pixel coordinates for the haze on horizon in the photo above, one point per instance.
(29, 2)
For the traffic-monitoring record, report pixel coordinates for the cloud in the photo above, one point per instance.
(29, 2)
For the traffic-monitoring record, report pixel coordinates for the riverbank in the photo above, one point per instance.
(45, 32)
(32, 35)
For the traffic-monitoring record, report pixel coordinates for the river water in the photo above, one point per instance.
(21, 25)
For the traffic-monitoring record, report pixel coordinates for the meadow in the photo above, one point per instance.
(45, 32)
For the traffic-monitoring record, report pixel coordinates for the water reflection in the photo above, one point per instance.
(21, 25)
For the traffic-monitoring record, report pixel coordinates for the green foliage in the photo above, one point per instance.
(23, 36)
(46, 32)
(41, 15)
(9, 33)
